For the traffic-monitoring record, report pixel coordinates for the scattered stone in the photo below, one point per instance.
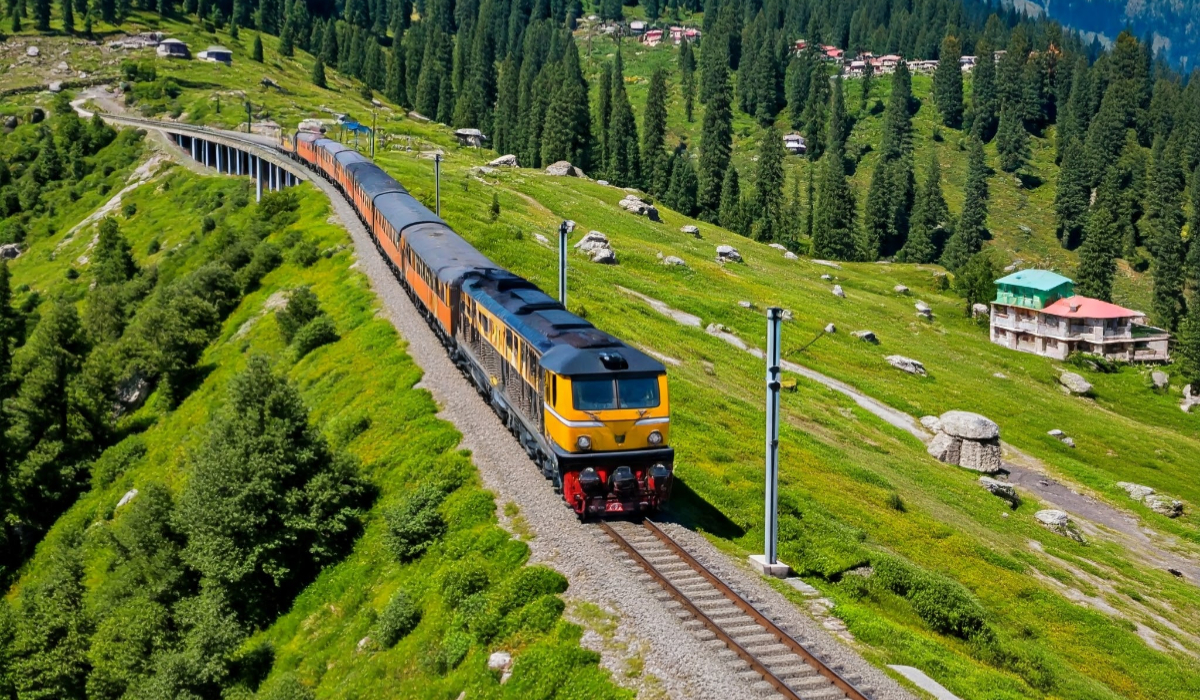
(563, 169)
(866, 337)
(786, 315)
(727, 253)
(837, 291)
(32, 51)
(971, 426)
(9, 251)
(672, 260)
(636, 205)
(1164, 505)
(980, 310)
(602, 182)
(790, 256)
(922, 307)
(129, 496)
(827, 277)
(777, 246)
(1069, 442)
(131, 393)
(363, 644)
(500, 661)
(1137, 492)
(1010, 268)
(10, 122)
(967, 439)
(1074, 384)
(999, 375)
(593, 241)
(55, 86)
(1001, 489)
(1191, 397)
(827, 263)
(505, 161)
(1024, 229)
(906, 364)
(483, 170)
(900, 289)
(1061, 437)
(830, 328)
(1160, 379)
(927, 315)
(932, 423)
(746, 304)
(691, 230)
(604, 256)
(1059, 522)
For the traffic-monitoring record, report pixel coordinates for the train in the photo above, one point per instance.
(592, 412)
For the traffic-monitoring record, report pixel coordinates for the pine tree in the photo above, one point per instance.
(729, 214)
(796, 87)
(768, 194)
(687, 77)
(505, 121)
(567, 133)
(868, 79)
(1012, 141)
(1163, 221)
(112, 259)
(897, 120)
(948, 83)
(373, 68)
(41, 15)
(257, 52)
(394, 88)
(318, 73)
(287, 40)
(654, 135)
(683, 186)
(837, 118)
(329, 45)
(833, 235)
(877, 216)
(1168, 299)
(1192, 264)
(1102, 240)
(971, 228)
(984, 97)
(716, 146)
(68, 15)
(624, 166)
(1072, 198)
(1187, 345)
(604, 114)
(930, 213)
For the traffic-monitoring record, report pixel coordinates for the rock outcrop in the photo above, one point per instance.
(1074, 384)
(564, 169)
(506, 161)
(838, 292)
(636, 205)
(932, 423)
(906, 364)
(980, 310)
(866, 337)
(1159, 379)
(1191, 398)
(9, 251)
(968, 440)
(727, 253)
(598, 248)
(673, 260)
(900, 289)
(1163, 505)
(1058, 522)
(691, 230)
(1001, 489)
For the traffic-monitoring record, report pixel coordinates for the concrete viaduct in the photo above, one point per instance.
(229, 152)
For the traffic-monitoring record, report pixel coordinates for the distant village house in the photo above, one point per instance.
(173, 48)
(1037, 311)
(794, 143)
(216, 54)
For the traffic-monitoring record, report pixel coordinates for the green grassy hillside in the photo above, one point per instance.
(978, 596)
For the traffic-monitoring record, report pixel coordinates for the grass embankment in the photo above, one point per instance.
(360, 391)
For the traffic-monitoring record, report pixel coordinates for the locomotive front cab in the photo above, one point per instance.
(610, 431)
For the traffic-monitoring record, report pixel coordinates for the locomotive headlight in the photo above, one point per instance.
(584, 442)
(654, 438)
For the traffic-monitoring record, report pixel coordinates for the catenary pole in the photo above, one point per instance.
(774, 323)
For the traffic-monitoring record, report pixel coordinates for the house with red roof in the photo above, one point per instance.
(1037, 311)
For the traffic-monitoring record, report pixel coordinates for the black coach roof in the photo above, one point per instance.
(402, 210)
(444, 251)
(349, 156)
(373, 180)
(332, 146)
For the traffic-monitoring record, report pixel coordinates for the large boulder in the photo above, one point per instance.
(906, 364)
(594, 240)
(691, 230)
(1160, 379)
(945, 448)
(727, 253)
(506, 161)
(838, 292)
(1001, 490)
(971, 426)
(604, 256)
(564, 169)
(866, 337)
(980, 455)
(1074, 384)
(8, 251)
(789, 255)
(636, 205)
(1191, 397)
(980, 310)
(932, 423)
(900, 289)
(1059, 522)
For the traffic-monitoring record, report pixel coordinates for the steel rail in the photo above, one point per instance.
(784, 638)
(691, 607)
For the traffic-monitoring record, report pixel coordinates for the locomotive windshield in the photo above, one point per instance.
(607, 394)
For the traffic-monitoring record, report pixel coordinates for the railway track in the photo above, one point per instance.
(763, 655)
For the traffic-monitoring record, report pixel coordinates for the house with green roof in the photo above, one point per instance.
(1037, 311)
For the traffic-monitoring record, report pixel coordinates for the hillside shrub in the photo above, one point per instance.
(320, 331)
(266, 257)
(945, 605)
(301, 308)
(538, 616)
(398, 618)
(305, 254)
(288, 687)
(455, 645)
(114, 461)
(415, 523)
(461, 579)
